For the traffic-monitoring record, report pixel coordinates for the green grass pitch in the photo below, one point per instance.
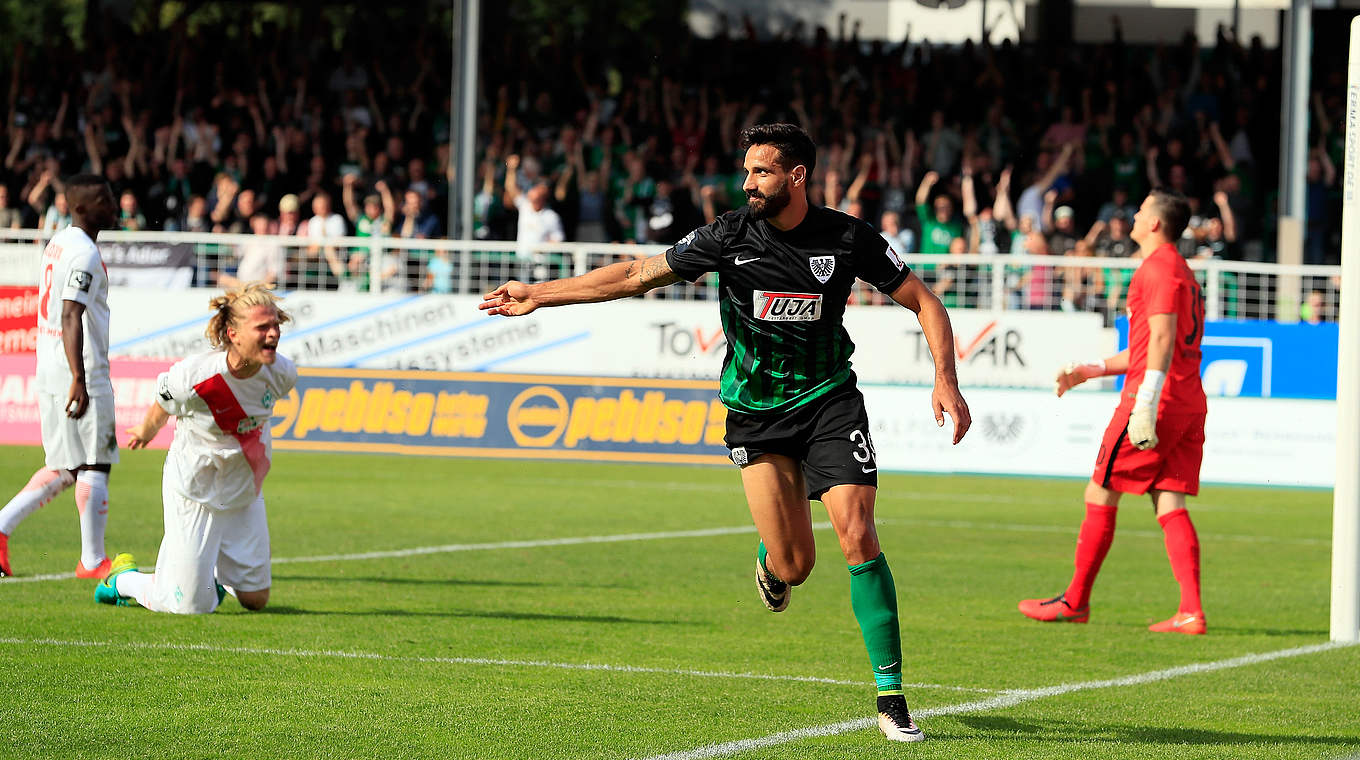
(479, 646)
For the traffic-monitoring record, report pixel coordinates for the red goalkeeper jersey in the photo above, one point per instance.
(1164, 284)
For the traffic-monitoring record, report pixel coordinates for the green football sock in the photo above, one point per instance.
(874, 600)
(760, 555)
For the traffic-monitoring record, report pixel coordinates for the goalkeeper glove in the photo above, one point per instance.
(1077, 373)
(1143, 420)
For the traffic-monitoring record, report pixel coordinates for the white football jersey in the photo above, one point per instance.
(222, 448)
(73, 271)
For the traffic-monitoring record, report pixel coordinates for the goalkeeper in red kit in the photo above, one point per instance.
(1155, 440)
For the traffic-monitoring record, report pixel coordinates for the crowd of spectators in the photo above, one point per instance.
(975, 148)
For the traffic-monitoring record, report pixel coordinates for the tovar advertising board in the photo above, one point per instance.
(641, 337)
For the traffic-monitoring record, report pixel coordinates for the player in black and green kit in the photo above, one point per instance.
(796, 423)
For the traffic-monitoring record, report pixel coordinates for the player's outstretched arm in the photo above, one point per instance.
(946, 398)
(141, 435)
(621, 280)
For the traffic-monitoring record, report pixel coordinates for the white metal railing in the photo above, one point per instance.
(1232, 289)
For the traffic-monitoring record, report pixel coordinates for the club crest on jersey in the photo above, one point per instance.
(773, 306)
(822, 267)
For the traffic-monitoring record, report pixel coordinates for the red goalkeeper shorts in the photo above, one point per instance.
(1172, 465)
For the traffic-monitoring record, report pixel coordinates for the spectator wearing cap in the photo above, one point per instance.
(1062, 226)
(290, 216)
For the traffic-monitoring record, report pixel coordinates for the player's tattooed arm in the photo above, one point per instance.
(652, 272)
(621, 280)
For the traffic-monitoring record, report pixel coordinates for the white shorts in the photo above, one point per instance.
(204, 547)
(72, 443)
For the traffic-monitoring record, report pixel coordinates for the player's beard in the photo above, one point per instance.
(765, 206)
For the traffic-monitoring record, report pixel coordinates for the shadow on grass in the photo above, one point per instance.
(994, 728)
(287, 610)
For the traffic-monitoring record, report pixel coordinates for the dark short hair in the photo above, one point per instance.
(85, 182)
(793, 144)
(1172, 209)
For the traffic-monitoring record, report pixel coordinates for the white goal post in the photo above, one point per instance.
(1346, 497)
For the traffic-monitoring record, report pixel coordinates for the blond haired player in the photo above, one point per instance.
(75, 394)
(216, 535)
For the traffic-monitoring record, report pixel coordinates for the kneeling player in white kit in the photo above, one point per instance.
(216, 537)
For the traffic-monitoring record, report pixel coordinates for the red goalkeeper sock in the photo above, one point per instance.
(1093, 543)
(1182, 548)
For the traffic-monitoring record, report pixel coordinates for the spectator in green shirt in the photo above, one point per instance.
(938, 232)
(940, 227)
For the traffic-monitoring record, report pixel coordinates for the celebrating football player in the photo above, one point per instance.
(796, 423)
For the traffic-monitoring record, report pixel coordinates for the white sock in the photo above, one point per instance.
(133, 584)
(92, 499)
(42, 488)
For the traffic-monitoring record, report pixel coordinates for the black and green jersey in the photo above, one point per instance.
(782, 296)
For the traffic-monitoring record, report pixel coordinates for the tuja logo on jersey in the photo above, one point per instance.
(774, 306)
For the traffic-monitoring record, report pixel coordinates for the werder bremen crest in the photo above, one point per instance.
(822, 267)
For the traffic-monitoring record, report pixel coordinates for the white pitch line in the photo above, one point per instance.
(1001, 701)
(345, 655)
(532, 543)
(36, 578)
(451, 548)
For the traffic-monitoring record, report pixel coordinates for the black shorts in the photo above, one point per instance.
(829, 436)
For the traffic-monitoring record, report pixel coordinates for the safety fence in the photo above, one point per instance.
(1231, 289)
